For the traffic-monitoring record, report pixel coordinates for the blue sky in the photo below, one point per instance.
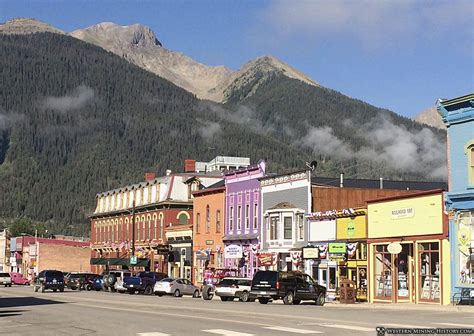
(401, 55)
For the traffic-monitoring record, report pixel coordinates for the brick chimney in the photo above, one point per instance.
(189, 166)
(150, 176)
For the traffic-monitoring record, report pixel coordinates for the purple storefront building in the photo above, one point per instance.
(242, 218)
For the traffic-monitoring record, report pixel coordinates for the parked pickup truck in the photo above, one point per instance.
(143, 282)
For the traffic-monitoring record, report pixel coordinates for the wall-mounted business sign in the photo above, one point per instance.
(233, 251)
(267, 259)
(403, 213)
(337, 248)
(310, 253)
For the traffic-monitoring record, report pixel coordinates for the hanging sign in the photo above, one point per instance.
(233, 251)
(394, 248)
(310, 253)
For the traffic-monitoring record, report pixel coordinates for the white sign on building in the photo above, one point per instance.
(233, 252)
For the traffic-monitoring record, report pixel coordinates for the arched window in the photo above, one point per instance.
(162, 224)
(116, 231)
(154, 226)
(127, 228)
(208, 219)
(137, 228)
(121, 231)
(143, 227)
(149, 227)
(183, 218)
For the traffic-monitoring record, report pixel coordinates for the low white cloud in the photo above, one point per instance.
(78, 98)
(415, 151)
(209, 129)
(373, 23)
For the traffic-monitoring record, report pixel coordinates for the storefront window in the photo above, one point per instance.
(383, 272)
(332, 278)
(430, 271)
(273, 228)
(465, 244)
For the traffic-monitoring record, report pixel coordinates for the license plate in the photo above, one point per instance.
(55, 281)
(131, 285)
(263, 292)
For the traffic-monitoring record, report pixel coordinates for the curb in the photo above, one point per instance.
(390, 306)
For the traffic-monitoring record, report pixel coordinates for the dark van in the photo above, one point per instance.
(291, 287)
(49, 279)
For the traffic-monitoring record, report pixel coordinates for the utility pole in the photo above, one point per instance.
(133, 228)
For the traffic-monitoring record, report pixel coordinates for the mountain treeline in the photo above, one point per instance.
(76, 120)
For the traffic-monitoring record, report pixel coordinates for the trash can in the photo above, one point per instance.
(348, 291)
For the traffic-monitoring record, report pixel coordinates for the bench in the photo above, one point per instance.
(464, 297)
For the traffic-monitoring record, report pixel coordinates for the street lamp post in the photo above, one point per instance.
(133, 228)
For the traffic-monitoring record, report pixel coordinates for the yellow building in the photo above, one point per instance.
(409, 259)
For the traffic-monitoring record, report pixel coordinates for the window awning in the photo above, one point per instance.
(118, 261)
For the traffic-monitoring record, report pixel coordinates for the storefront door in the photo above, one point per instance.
(404, 272)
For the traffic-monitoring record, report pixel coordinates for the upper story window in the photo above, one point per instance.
(300, 226)
(231, 218)
(247, 216)
(470, 153)
(208, 219)
(183, 218)
(239, 217)
(273, 223)
(218, 221)
(255, 215)
(288, 228)
(198, 223)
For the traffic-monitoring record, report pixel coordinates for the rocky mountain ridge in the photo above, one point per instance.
(139, 45)
(27, 26)
(430, 117)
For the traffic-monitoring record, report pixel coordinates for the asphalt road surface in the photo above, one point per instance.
(24, 312)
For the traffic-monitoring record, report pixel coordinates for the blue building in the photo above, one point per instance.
(458, 115)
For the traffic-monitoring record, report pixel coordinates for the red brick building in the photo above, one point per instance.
(151, 207)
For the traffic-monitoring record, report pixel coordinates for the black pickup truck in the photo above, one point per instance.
(143, 282)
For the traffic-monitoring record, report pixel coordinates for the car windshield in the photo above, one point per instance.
(167, 280)
(268, 276)
(4, 275)
(227, 282)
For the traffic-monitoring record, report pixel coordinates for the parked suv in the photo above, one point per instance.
(143, 282)
(291, 287)
(5, 279)
(113, 280)
(49, 279)
(230, 288)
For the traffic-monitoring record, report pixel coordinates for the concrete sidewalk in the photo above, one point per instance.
(401, 306)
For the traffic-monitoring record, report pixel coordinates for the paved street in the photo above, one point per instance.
(23, 312)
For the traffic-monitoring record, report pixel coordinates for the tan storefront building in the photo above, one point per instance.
(409, 258)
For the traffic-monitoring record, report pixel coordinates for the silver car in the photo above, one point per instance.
(176, 287)
(5, 279)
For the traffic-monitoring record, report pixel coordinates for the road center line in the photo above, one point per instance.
(294, 330)
(225, 332)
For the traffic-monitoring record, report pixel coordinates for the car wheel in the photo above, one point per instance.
(9, 285)
(89, 287)
(263, 300)
(321, 299)
(148, 290)
(296, 302)
(36, 288)
(61, 289)
(224, 298)
(73, 288)
(159, 294)
(207, 293)
(244, 297)
(55, 290)
(177, 293)
(196, 294)
(42, 289)
(288, 299)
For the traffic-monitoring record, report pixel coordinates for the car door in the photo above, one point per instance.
(312, 287)
(188, 287)
(301, 290)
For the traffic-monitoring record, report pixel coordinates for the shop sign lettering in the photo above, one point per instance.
(403, 213)
(337, 248)
(233, 252)
(350, 228)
